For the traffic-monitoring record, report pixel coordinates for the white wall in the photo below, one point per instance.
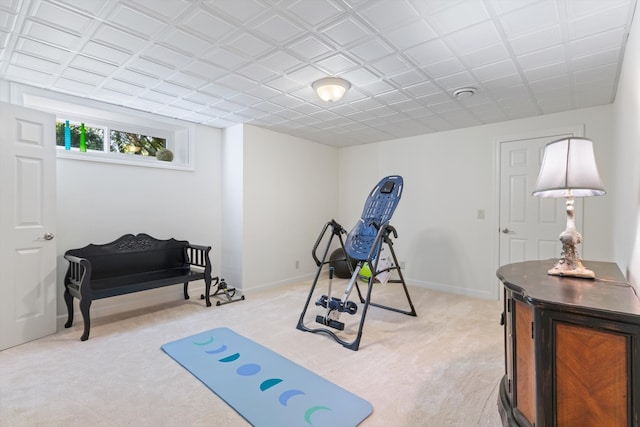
(448, 177)
(232, 205)
(99, 202)
(626, 194)
(290, 192)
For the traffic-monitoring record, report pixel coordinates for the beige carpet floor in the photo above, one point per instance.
(439, 369)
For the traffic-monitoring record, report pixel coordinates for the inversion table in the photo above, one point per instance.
(364, 244)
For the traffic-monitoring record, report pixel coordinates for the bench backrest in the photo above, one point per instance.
(133, 255)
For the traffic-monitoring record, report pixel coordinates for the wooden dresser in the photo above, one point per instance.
(572, 348)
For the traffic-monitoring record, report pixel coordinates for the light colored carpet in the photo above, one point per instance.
(439, 369)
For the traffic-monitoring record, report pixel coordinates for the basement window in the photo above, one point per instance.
(102, 138)
(113, 134)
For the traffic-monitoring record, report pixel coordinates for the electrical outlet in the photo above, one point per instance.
(402, 264)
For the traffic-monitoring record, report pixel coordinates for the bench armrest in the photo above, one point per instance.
(198, 256)
(78, 274)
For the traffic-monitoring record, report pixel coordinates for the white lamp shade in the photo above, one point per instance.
(331, 89)
(569, 169)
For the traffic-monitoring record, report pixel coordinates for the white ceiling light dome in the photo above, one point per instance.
(331, 89)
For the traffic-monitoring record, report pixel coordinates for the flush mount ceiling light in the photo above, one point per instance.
(331, 89)
(464, 92)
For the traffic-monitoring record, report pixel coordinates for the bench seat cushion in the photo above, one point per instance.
(118, 285)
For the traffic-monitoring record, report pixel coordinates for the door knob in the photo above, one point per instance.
(507, 231)
(48, 236)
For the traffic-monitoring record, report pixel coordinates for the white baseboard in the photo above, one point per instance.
(452, 289)
(277, 284)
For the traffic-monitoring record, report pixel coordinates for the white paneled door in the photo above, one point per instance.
(529, 226)
(27, 225)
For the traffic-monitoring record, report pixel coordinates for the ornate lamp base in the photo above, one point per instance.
(571, 268)
(570, 263)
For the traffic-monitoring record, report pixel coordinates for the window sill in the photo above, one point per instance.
(122, 159)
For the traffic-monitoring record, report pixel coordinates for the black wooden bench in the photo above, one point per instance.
(136, 263)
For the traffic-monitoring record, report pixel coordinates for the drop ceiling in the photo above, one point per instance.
(225, 62)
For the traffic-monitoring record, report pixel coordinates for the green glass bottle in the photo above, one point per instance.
(83, 138)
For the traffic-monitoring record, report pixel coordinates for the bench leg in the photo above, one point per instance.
(68, 298)
(85, 305)
(207, 290)
(186, 290)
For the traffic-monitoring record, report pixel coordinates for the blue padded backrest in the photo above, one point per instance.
(378, 209)
(383, 200)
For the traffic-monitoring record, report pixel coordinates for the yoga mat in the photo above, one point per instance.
(265, 388)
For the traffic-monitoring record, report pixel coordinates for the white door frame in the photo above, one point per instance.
(576, 130)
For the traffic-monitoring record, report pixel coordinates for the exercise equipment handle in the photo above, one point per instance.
(336, 229)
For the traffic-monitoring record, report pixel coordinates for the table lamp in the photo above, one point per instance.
(569, 170)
